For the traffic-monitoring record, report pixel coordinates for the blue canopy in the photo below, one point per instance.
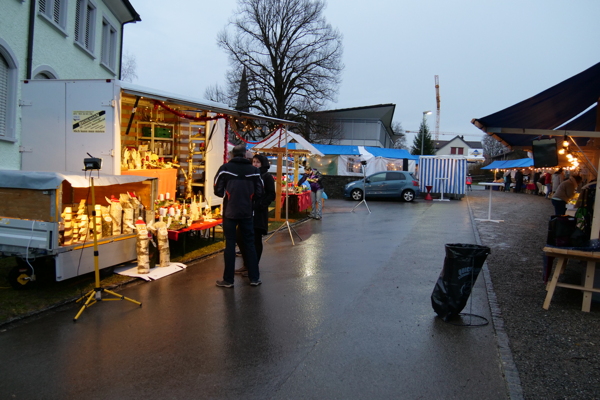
(520, 163)
(391, 153)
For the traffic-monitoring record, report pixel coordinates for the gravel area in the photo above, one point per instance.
(556, 351)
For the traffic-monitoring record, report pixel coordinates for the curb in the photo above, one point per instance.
(509, 368)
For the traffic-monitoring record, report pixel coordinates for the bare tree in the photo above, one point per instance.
(292, 56)
(400, 142)
(217, 94)
(321, 128)
(128, 67)
(492, 147)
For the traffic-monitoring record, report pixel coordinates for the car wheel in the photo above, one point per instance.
(408, 195)
(356, 194)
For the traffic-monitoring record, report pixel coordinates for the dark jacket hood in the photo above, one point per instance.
(264, 163)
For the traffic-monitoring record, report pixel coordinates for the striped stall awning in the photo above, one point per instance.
(444, 174)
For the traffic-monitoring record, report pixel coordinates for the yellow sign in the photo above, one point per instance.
(89, 121)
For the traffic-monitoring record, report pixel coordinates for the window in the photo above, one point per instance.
(85, 24)
(457, 150)
(109, 46)
(353, 165)
(378, 177)
(3, 94)
(55, 11)
(395, 176)
(8, 93)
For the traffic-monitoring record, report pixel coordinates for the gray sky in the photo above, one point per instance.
(489, 54)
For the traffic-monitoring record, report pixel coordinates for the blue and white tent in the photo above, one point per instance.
(446, 174)
(346, 160)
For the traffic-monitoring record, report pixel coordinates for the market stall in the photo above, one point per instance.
(279, 144)
(46, 221)
(566, 119)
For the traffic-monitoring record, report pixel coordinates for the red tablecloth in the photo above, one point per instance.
(198, 226)
(530, 186)
(298, 202)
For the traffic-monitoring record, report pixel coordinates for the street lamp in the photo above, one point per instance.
(425, 114)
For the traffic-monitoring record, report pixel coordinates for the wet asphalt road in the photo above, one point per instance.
(343, 314)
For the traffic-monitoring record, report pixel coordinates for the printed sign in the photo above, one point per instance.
(89, 121)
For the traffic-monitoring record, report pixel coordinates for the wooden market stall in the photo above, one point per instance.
(568, 115)
(278, 144)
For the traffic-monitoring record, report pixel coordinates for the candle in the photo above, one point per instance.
(167, 196)
(162, 212)
(161, 197)
(172, 211)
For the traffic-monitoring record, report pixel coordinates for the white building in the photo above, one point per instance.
(459, 147)
(54, 39)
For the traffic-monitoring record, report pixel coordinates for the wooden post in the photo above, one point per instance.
(278, 187)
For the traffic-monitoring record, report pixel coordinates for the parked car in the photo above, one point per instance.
(394, 184)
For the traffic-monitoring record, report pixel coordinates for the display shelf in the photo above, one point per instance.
(158, 136)
(193, 162)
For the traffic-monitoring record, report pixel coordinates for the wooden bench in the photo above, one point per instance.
(562, 255)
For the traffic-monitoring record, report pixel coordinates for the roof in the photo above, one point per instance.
(281, 138)
(568, 108)
(381, 112)
(123, 10)
(52, 180)
(506, 164)
(471, 144)
(212, 106)
(329, 149)
(390, 153)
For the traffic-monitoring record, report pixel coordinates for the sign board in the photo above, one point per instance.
(89, 121)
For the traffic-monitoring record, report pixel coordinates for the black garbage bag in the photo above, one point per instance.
(462, 265)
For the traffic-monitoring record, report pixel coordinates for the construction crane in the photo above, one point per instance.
(437, 100)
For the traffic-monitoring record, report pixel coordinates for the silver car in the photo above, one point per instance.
(394, 184)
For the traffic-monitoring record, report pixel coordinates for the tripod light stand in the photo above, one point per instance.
(364, 199)
(95, 295)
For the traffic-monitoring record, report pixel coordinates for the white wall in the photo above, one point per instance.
(54, 50)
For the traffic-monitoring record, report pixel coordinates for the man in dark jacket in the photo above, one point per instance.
(261, 211)
(240, 186)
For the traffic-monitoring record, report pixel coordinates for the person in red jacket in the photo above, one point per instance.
(469, 182)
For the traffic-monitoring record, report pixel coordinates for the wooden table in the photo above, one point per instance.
(197, 226)
(178, 239)
(562, 255)
(298, 202)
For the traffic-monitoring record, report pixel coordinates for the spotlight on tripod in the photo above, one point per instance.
(364, 199)
(95, 295)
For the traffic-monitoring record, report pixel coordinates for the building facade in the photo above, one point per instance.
(459, 147)
(54, 39)
(362, 126)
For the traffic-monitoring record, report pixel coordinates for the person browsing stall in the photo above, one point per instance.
(314, 178)
(261, 210)
(239, 183)
(564, 193)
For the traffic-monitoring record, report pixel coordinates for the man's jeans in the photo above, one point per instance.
(316, 203)
(246, 226)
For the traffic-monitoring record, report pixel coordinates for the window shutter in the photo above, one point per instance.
(3, 94)
(56, 14)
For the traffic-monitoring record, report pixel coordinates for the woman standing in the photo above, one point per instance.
(557, 178)
(314, 178)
